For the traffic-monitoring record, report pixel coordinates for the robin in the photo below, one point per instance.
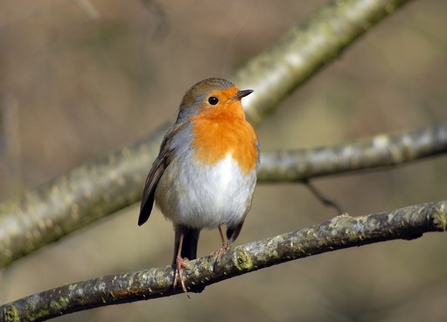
(205, 173)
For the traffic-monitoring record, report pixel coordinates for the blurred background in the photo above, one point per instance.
(79, 78)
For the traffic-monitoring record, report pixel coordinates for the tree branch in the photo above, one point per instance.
(338, 233)
(104, 186)
(380, 151)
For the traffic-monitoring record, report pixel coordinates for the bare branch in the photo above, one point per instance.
(307, 48)
(338, 233)
(380, 151)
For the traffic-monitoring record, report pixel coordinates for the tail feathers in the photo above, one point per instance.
(189, 244)
(233, 232)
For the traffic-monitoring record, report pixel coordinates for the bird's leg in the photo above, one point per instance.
(222, 238)
(225, 246)
(180, 264)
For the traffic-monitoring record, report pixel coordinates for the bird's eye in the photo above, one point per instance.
(213, 100)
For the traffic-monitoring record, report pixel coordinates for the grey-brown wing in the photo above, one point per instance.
(158, 167)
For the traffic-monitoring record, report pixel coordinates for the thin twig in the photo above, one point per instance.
(322, 198)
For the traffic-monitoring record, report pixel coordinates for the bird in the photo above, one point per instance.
(205, 174)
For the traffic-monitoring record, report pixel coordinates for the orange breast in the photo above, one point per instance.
(225, 130)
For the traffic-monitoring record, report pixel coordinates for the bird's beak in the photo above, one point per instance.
(243, 93)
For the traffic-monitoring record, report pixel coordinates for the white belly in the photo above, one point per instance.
(214, 196)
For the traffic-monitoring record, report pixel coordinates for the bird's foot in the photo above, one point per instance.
(219, 252)
(180, 263)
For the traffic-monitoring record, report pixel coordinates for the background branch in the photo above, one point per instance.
(338, 233)
(380, 151)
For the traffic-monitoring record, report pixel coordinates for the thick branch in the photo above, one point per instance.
(107, 185)
(338, 233)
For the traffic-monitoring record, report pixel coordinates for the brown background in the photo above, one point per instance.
(73, 88)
